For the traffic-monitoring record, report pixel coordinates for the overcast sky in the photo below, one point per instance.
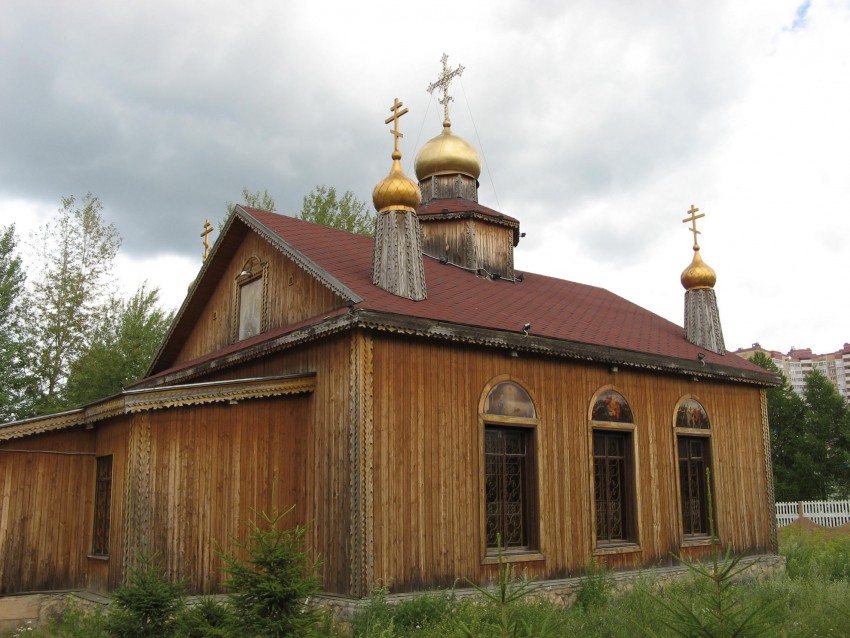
(599, 124)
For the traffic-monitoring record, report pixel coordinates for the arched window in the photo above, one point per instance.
(693, 451)
(612, 430)
(510, 468)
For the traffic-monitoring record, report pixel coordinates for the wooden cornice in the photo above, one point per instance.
(131, 401)
(518, 342)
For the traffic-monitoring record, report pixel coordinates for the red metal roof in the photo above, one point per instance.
(555, 308)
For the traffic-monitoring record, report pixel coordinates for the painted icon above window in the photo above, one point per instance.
(509, 399)
(612, 407)
(692, 415)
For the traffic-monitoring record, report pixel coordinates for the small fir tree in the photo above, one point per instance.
(270, 589)
(147, 604)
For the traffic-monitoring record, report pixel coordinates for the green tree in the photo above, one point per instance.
(828, 423)
(323, 206)
(75, 252)
(16, 391)
(121, 347)
(269, 590)
(147, 604)
(263, 201)
(809, 438)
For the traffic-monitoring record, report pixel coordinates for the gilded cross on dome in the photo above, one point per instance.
(693, 219)
(208, 228)
(443, 82)
(394, 118)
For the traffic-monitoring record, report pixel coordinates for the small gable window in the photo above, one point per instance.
(613, 441)
(250, 304)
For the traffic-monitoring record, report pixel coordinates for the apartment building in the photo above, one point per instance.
(798, 363)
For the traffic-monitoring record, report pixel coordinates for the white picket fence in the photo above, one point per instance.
(826, 513)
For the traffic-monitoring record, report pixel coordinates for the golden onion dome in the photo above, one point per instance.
(396, 191)
(699, 274)
(446, 154)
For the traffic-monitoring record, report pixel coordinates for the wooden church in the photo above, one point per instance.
(415, 397)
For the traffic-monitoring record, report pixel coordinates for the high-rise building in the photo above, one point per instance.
(799, 362)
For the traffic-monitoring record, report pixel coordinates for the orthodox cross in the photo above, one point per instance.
(443, 82)
(208, 228)
(693, 219)
(394, 118)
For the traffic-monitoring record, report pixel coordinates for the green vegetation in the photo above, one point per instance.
(811, 598)
(809, 438)
(67, 336)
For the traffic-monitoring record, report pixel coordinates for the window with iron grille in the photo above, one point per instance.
(613, 486)
(693, 461)
(613, 430)
(102, 506)
(510, 493)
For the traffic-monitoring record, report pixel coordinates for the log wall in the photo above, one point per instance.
(427, 476)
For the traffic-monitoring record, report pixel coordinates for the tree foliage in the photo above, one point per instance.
(269, 590)
(121, 347)
(75, 256)
(323, 206)
(146, 604)
(810, 438)
(17, 388)
(263, 201)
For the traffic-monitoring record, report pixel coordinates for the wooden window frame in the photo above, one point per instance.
(702, 537)
(102, 518)
(253, 269)
(630, 542)
(528, 426)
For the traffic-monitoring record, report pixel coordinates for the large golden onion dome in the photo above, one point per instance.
(699, 274)
(396, 191)
(446, 154)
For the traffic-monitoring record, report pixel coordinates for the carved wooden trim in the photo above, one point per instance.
(133, 401)
(137, 493)
(38, 425)
(361, 483)
(252, 269)
(768, 472)
(201, 393)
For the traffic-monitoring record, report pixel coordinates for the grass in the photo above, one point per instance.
(810, 600)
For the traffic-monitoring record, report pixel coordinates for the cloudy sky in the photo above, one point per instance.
(599, 125)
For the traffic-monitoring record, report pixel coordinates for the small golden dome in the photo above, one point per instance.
(699, 274)
(445, 154)
(396, 191)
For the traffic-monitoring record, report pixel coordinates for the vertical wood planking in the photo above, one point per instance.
(427, 487)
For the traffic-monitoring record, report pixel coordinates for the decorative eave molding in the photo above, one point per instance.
(461, 333)
(324, 328)
(132, 401)
(557, 347)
